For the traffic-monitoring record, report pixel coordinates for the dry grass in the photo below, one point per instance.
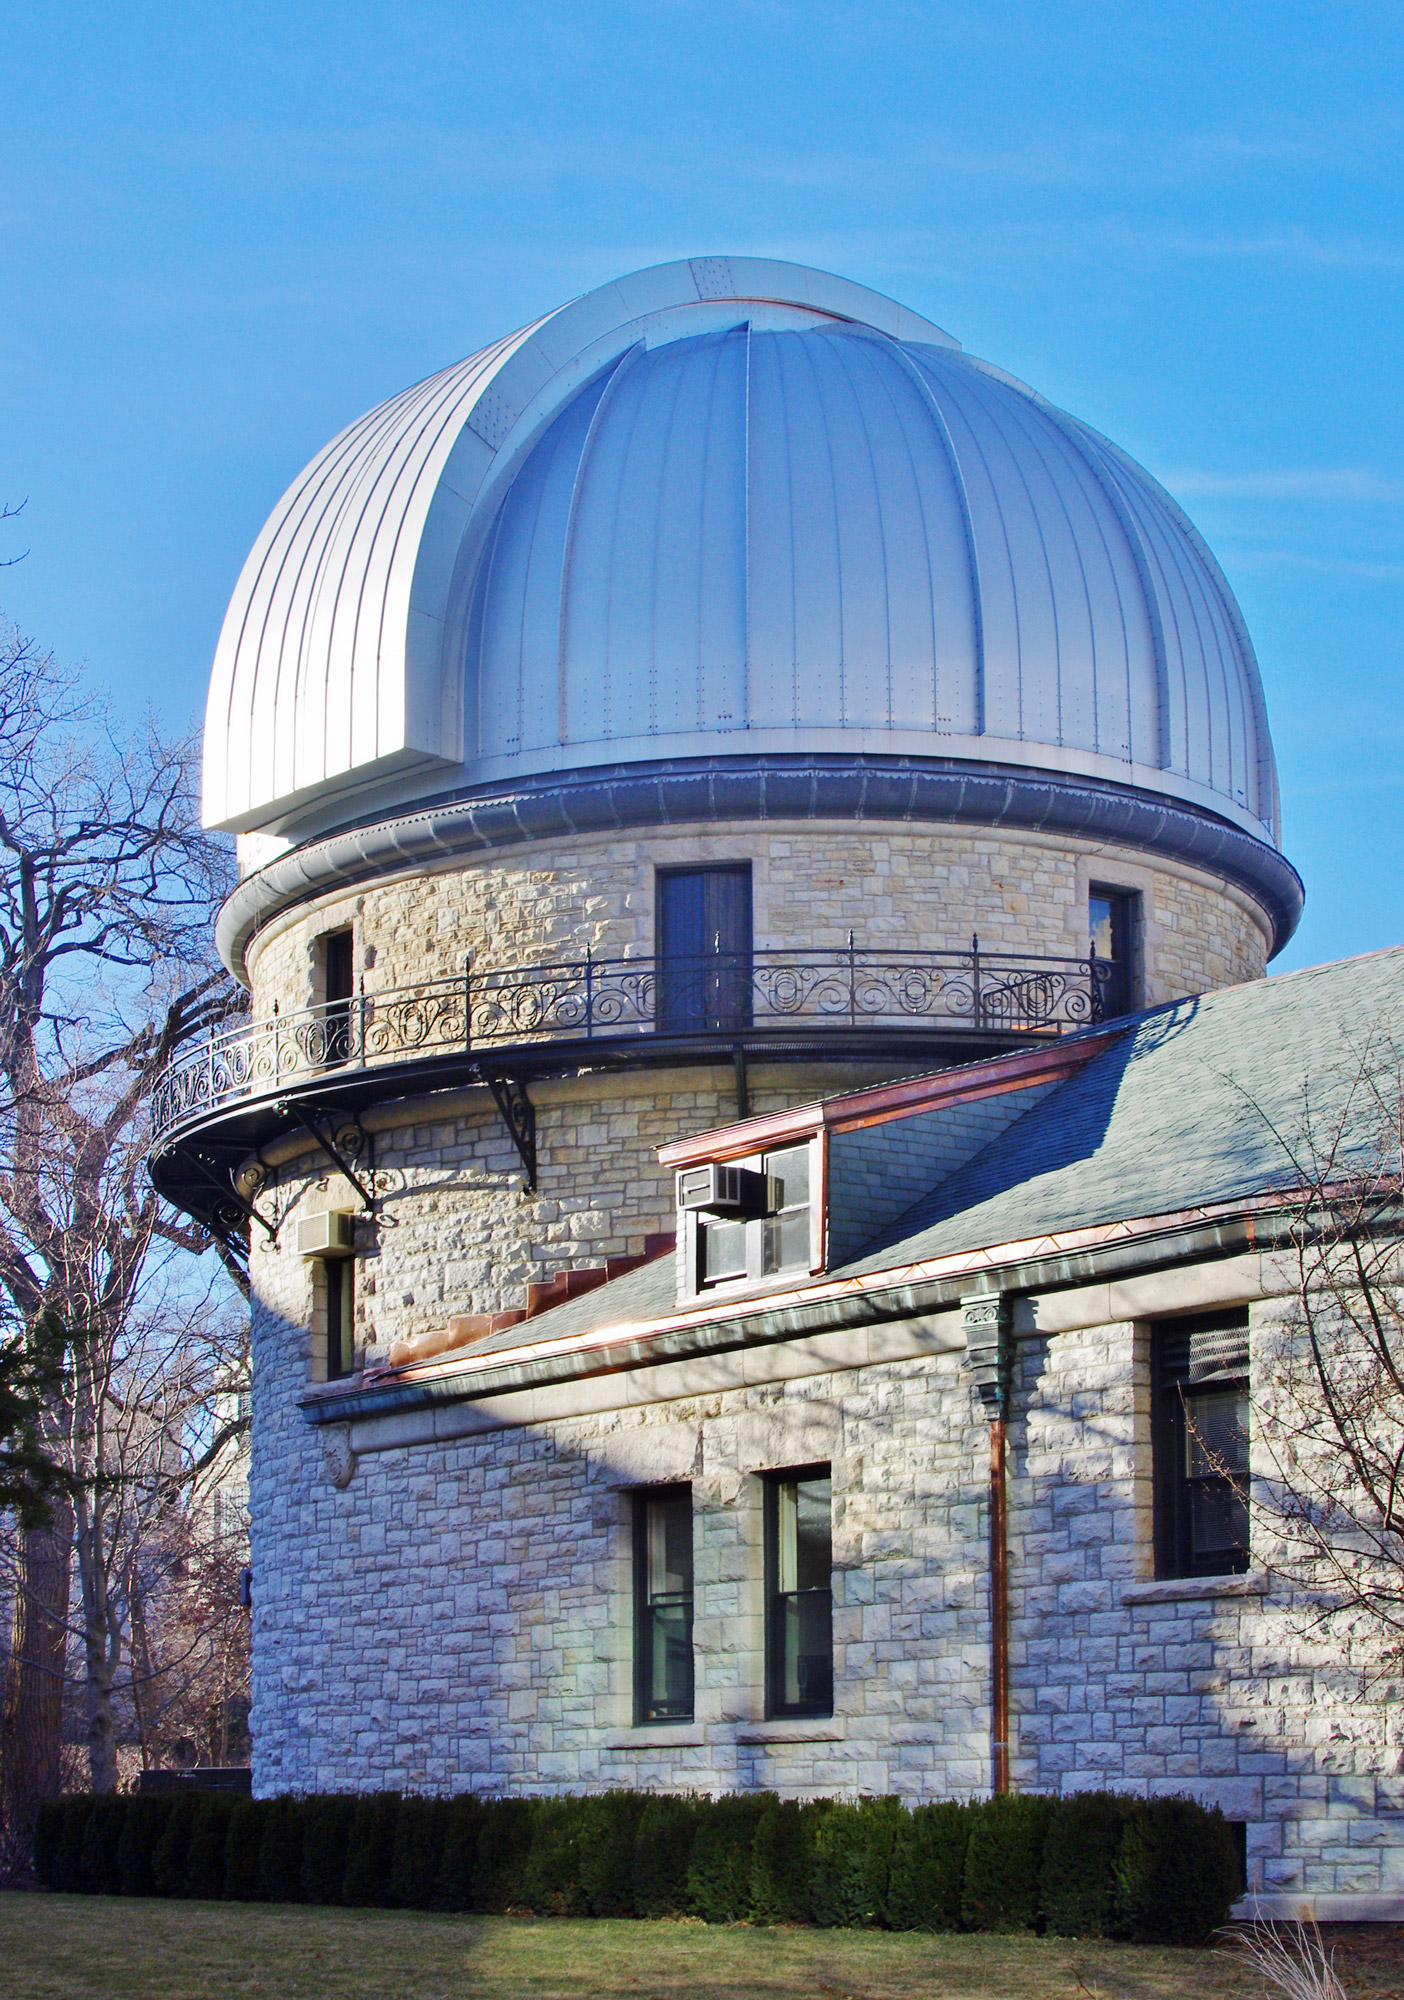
(94, 1948)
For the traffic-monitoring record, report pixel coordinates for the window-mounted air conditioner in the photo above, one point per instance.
(727, 1190)
(328, 1235)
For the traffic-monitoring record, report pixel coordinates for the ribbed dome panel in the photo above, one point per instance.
(826, 530)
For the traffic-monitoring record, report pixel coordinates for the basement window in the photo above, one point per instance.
(1200, 1440)
(663, 1676)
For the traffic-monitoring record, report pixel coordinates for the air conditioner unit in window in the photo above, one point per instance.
(328, 1235)
(726, 1190)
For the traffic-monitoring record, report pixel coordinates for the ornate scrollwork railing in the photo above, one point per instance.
(598, 999)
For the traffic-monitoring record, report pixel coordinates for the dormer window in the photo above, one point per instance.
(746, 1220)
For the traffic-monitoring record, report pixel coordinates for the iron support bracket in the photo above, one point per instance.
(518, 1114)
(337, 1158)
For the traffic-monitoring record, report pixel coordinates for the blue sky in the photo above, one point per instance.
(226, 231)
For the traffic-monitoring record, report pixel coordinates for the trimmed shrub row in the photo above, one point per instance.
(1093, 1865)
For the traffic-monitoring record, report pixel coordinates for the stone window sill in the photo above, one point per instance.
(791, 1729)
(657, 1736)
(1191, 1589)
(326, 1392)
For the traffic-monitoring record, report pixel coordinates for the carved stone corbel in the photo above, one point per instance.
(337, 1455)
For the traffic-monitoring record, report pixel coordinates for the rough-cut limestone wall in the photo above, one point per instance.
(1210, 1687)
(919, 888)
(459, 1615)
(454, 1230)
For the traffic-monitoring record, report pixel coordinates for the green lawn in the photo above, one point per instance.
(100, 1948)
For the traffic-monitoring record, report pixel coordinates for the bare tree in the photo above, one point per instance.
(1328, 1415)
(107, 888)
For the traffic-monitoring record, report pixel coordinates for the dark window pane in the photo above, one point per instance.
(1111, 931)
(1216, 1432)
(1218, 1513)
(799, 1564)
(340, 984)
(1200, 1445)
(341, 1315)
(807, 1650)
(663, 1606)
(670, 1547)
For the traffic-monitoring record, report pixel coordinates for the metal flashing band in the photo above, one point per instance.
(738, 789)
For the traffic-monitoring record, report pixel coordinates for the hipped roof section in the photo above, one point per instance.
(1206, 1108)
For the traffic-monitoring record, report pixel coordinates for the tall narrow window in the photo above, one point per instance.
(340, 1280)
(663, 1605)
(704, 948)
(1112, 929)
(799, 1593)
(1200, 1445)
(339, 982)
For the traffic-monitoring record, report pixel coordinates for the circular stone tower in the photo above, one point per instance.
(721, 692)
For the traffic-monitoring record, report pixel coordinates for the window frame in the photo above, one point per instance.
(777, 1628)
(726, 1005)
(337, 953)
(645, 1625)
(1173, 1483)
(1124, 990)
(339, 1314)
(694, 1230)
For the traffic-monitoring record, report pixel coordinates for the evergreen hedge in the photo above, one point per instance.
(143, 1825)
(242, 1849)
(99, 1867)
(1092, 1865)
(171, 1854)
(1078, 1883)
(209, 1841)
(1004, 1861)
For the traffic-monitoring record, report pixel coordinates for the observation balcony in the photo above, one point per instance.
(503, 1026)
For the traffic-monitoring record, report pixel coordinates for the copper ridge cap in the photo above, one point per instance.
(954, 1265)
(883, 1102)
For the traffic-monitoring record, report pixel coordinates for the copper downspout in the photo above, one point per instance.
(988, 1361)
(999, 1615)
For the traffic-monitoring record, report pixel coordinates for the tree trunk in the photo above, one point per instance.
(31, 1715)
(101, 1642)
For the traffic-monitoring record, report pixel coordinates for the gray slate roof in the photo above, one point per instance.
(1198, 1103)
(1201, 1102)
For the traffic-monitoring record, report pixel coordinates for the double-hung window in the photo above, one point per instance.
(758, 1227)
(1200, 1441)
(663, 1605)
(799, 1593)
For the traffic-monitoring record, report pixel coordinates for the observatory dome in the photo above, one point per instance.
(729, 509)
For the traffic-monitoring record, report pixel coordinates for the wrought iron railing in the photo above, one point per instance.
(597, 999)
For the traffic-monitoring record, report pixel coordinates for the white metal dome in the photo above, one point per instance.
(825, 538)
(725, 507)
